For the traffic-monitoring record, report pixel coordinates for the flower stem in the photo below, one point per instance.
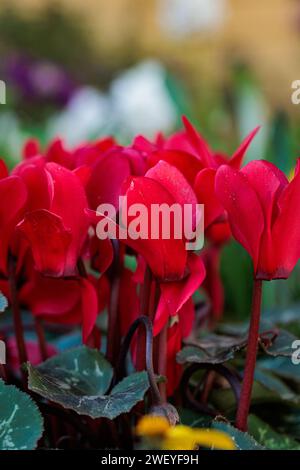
(40, 332)
(162, 360)
(17, 319)
(120, 370)
(145, 305)
(94, 339)
(244, 403)
(113, 333)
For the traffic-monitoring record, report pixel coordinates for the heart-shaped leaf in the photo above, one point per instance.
(242, 440)
(212, 349)
(217, 348)
(21, 424)
(282, 345)
(79, 379)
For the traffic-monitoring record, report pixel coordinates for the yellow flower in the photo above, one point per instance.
(185, 438)
(151, 425)
(181, 437)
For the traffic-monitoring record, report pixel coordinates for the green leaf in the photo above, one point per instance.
(281, 367)
(282, 345)
(217, 349)
(275, 385)
(242, 440)
(269, 438)
(79, 380)
(212, 349)
(21, 424)
(193, 418)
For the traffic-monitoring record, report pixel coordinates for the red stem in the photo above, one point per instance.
(18, 324)
(40, 332)
(162, 360)
(113, 333)
(244, 403)
(145, 305)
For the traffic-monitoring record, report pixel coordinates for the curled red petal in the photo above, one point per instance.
(49, 241)
(175, 294)
(38, 182)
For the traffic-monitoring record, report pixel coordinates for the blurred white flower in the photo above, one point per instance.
(141, 102)
(138, 102)
(181, 17)
(85, 117)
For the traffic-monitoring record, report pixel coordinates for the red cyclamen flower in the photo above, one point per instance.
(264, 214)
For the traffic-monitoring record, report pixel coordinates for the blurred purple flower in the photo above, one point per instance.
(39, 80)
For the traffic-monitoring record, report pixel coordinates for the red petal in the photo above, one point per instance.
(50, 242)
(286, 229)
(179, 141)
(3, 170)
(102, 254)
(31, 148)
(13, 197)
(50, 296)
(38, 182)
(56, 153)
(83, 172)
(69, 202)
(142, 144)
(186, 163)
(175, 183)
(205, 191)
(166, 257)
(175, 294)
(186, 317)
(237, 157)
(108, 175)
(268, 182)
(243, 207)
(199, 144)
